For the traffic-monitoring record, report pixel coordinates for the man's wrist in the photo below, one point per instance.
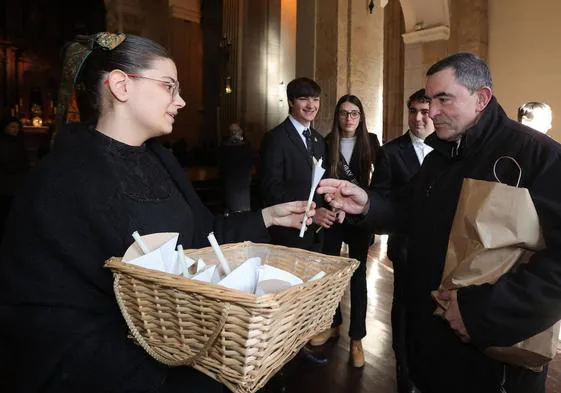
(366, 208)
(267, 217)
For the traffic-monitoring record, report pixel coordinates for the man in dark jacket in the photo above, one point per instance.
(397, 163)
(287, 159)
(471, 133)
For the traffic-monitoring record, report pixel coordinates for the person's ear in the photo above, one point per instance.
(484, 96)
(119, 85)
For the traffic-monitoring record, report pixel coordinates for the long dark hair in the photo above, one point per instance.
(131, 56)
(362, 146)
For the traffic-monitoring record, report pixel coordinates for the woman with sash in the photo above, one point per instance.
(351, 154)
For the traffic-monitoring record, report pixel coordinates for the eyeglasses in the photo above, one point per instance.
(353, 114)
(172, 86)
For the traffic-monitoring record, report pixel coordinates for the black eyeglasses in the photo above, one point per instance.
(353, 114)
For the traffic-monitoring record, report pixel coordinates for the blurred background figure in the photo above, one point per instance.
(14, 165)
(235, 165)
(537, 115)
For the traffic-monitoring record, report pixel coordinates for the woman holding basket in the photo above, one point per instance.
(62, 330)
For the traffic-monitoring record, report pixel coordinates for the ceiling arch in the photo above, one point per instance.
(423, 14)
(425, 20)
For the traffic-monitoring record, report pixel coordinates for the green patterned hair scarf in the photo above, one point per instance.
(75, 56)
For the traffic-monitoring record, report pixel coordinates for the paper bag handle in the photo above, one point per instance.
(144, 344)
(515, 163)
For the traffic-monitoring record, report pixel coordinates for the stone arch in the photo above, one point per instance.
(425, 14)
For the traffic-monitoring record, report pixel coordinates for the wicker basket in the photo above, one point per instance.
(238, 339)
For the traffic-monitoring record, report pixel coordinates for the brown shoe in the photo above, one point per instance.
(356, 354)
(323, 337)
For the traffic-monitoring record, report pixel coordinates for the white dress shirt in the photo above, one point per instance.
(300, 128)
(420, 148)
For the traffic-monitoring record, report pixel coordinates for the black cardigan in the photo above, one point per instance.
(61, 324)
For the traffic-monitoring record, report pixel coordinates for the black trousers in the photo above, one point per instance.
(399, 314)
(397, 252)
(359, 241)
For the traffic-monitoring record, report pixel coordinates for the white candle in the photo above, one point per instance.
(317, 173)
(181, 259)
(143, 246)
(221, 258)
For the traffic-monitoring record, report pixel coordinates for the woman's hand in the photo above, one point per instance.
(325, 217)
(289, 214)
(344, 195)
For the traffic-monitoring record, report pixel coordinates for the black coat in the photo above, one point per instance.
(14, 163)
(348, 231)
(285, 175)
(522, 303)
(396, 164)
(60, 320)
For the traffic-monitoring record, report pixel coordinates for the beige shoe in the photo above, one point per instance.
(356, 354)
(323, 337)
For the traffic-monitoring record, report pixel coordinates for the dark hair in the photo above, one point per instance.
(419, 96)
(302, 87)
(9, 120)
(527, 110)
(131, 56)
(471, 72)
(362, 146)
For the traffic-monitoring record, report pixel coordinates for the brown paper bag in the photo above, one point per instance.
(496, 227)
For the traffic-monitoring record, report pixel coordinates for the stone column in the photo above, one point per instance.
(326, 72)
(366, 54)
(394, 27)
(349, 58)
(469, 31)
(148, 18)
(414, 75)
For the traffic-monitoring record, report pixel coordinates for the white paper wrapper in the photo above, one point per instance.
(244, 277)
(210, 275)
(250, 277)
(317, 174)
(163, 256)
(268, 272)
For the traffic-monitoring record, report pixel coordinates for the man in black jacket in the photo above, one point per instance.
(287, 158)
(471, 133)
(397, 163)
(286, 161)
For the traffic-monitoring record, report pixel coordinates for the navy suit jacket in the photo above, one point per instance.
(396, 165)
(285, 175)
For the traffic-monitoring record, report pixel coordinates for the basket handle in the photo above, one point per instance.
(148, 348)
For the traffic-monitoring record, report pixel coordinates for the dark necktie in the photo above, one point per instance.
(308, 135)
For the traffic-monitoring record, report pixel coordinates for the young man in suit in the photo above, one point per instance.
(286, 162)
(287, 155)
(397, 162)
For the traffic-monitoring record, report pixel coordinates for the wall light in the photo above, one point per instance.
(371, 6)
(282, 91)
(228, 85)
